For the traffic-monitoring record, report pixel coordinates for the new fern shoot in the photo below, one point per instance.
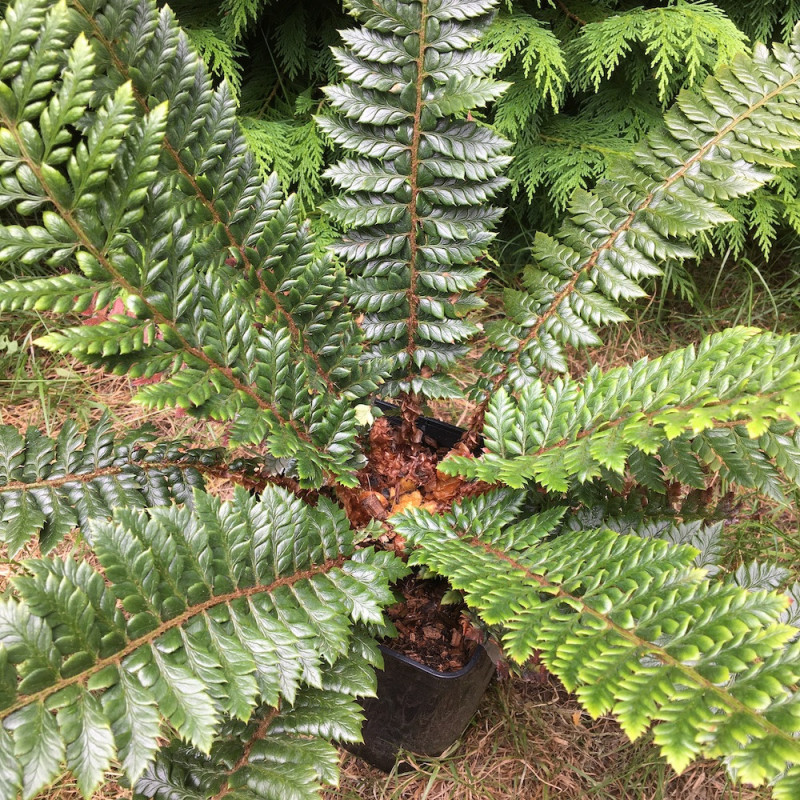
(204, 648)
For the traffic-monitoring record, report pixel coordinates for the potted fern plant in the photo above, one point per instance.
(203, 648)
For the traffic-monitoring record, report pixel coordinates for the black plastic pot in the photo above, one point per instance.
(443, 433)
(419, 709)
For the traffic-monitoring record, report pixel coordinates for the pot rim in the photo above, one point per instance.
(430, 426)
(470, 665)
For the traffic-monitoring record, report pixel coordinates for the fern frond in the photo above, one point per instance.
(625, 516)
(760, 218)
(706, 539)
(715, 145)
(708, 665)
(207, 297)
(228, 606)
(413, 231)
(287, 750)
(50, 486)
(688, 408)
(757, 575)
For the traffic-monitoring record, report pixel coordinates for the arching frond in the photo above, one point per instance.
(716, 144)
(709, 666)
(198, 616)
(416, 191)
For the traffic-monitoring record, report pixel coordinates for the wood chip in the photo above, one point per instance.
(408, 500)
(431, 633)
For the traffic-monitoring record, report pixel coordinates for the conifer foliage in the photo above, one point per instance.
(589, 80)
(212, 649)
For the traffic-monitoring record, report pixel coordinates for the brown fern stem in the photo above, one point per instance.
(411, 405)
(248, 479)
(574, 17)
(258, 735)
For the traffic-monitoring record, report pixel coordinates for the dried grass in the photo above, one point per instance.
(92, 392)
(68, 790)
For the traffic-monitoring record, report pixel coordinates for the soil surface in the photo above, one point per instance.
(400, 473)
(437, 635)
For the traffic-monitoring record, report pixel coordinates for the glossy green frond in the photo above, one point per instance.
(198, 615)
(209, 649)
(712, 406)
(416, 191)
(285, 754)
(49, 486)
(709, 666)
(158, 202)
(715, 145)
